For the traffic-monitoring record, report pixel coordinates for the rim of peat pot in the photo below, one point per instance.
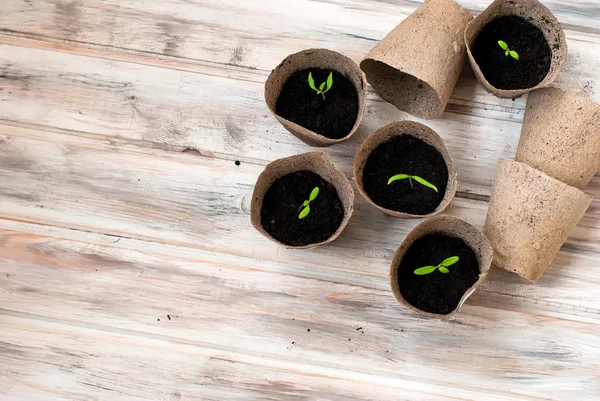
(315, 58)
(530, 216)
(419, 131)
(560, 136)
(537, 14)
(315, 161)
(416, 66)
(454, 227)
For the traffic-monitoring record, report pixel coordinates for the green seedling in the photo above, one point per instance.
(442, 267)
(410, 178)
(306, 205)
(322, 88)
(507, 51)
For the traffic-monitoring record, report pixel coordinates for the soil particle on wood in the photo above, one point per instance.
(505, 72)
(437, 292)
(333, 117)
(405, 154)
(283, 203)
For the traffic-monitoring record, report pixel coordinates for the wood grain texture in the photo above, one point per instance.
(120, 204)
(296, 319)
(201, 202)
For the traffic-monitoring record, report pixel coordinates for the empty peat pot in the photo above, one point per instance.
(439, 265)
(560, 136)
(515, 46)
(405, 170)
(287, 207)
(325, 112)
(416, 66)
(529, 218)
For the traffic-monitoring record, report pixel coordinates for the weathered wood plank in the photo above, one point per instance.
(198, 202)
(45, 360)
(215, 115)
(244, 310)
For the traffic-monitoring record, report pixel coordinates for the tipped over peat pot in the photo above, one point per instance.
(288, 210)
(530, 217)
(560, 136)
(456, 255)
(515, 46)
(327, 112)
(394, 166)
(416, 66)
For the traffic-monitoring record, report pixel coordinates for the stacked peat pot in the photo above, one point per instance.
(404, 168)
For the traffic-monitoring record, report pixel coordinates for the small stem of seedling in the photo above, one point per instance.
(306, 204)
(324, 87)
(442, 267)
(418, 179)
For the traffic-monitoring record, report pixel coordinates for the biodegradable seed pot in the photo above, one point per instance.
(416, 66)
(515, 46)
(302, 201)
(405, 170)
(439, 265)
(560, 136)
(318, 95)
(530, 217)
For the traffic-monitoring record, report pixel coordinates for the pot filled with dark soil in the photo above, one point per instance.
(561, 136)
(405, 170)
(318, 95)
(302, 201)
(416, 66)
(515, 46)
(530, 217)
(439, 265)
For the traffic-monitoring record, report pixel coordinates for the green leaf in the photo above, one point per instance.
(506, 52)
(329, 81)
(305, 203)
(503, 44)
(514, 54)
(450, 261)
(304, 212)
(444, 270)
(311, 82)
(314, 193)
(322, 86)
(398, 177)
(425, 270)
(423, 182)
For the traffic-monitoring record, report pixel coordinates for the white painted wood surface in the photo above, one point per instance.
(120, 205)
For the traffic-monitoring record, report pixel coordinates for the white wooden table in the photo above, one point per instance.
(128, 266)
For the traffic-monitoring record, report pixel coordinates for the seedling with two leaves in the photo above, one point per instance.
(508, 51)
(418, 179)
(324, 87)
(442, 267)
(306, 205)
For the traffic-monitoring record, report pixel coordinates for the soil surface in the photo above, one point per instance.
(437, 292)
(283, 203)
(405, 154)
(502, 71)
(332, 117)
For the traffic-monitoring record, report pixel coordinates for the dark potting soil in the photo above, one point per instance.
(405, 154)
(502, 71)
(437, 292)
(282, 205)
(333, 116)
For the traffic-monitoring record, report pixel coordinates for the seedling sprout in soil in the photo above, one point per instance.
(442, 267)
(410, 178)
(306, 205)
(322, 89)
(507, 51)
